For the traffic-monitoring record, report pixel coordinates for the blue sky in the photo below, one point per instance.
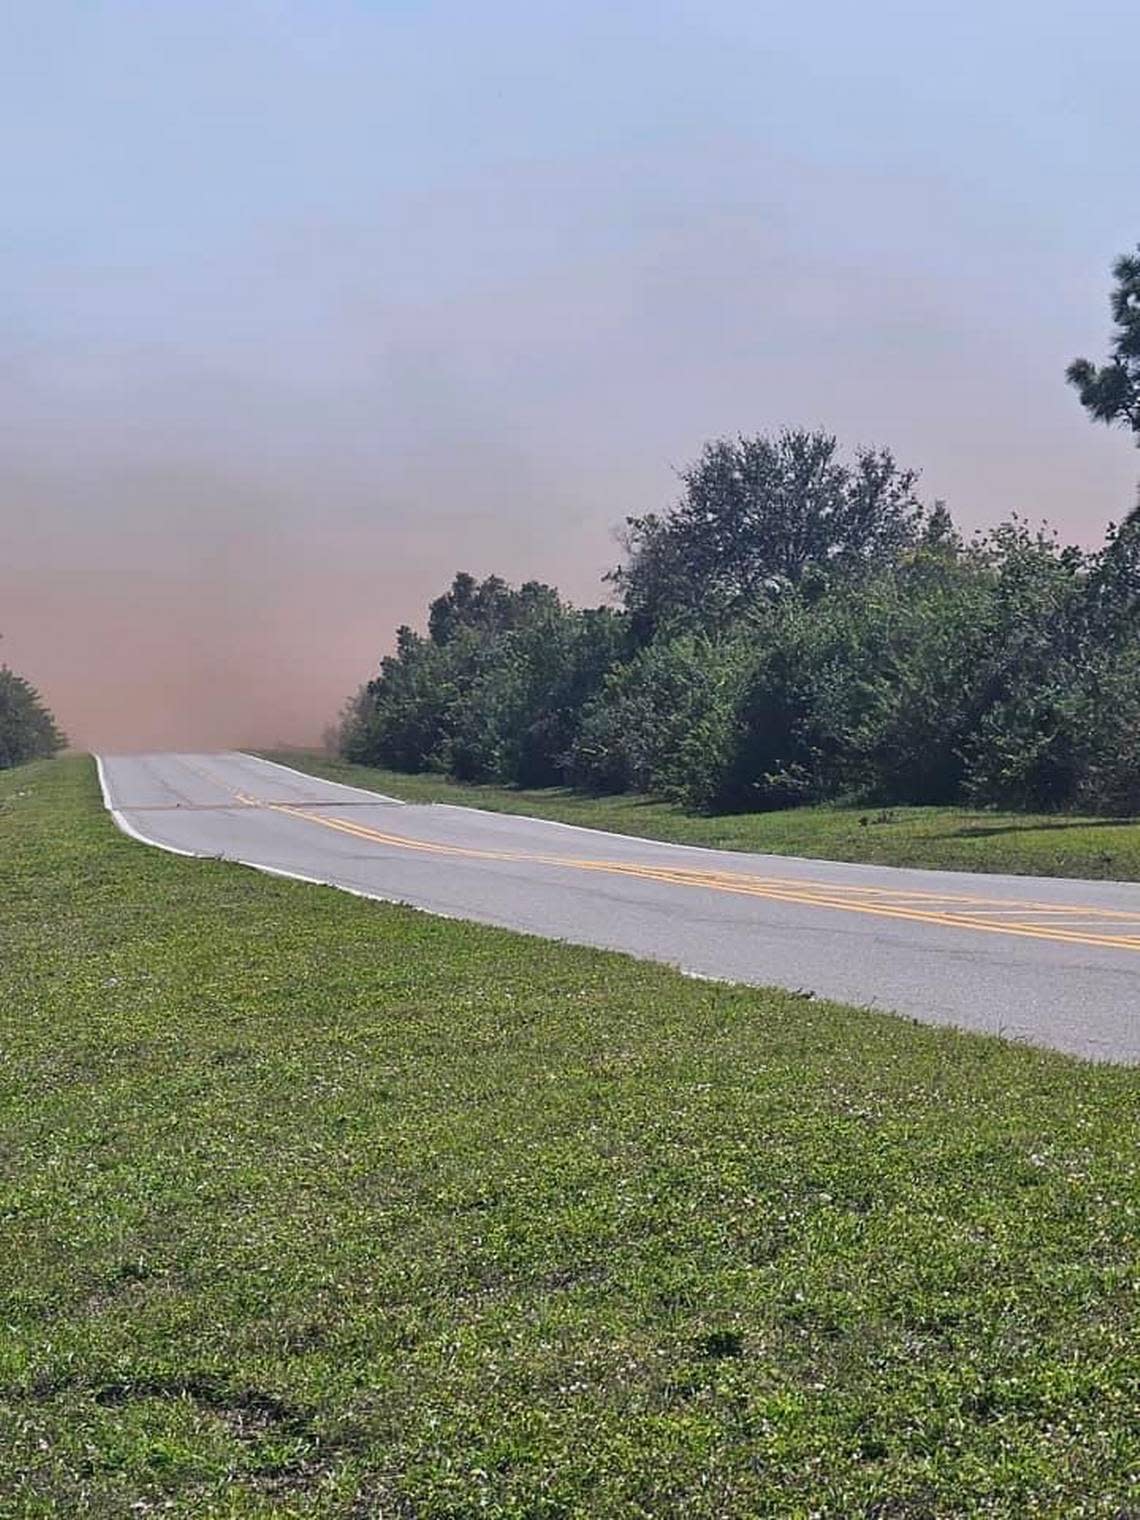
(306, 305)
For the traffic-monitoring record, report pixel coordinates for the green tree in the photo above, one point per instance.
(27, 729)
(760, 514)
(493, 693)
(487, 607)
(1111, 392)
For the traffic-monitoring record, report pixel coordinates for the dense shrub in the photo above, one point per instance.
(665, 721)
(495, 691)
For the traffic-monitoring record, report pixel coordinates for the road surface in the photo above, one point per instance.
(1052, 962)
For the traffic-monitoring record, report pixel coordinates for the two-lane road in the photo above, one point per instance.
(1055, 962)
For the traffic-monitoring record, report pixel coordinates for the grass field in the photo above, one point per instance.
(950, 839)
(315, 1207)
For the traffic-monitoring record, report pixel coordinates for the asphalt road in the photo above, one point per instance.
(1048, 961)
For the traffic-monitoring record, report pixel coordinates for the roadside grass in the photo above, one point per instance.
(317, 1207)
(948, 839)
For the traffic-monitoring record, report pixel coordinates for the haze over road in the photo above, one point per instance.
(1054, 962)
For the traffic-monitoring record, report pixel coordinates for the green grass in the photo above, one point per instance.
(316, 1207)
(949, 839)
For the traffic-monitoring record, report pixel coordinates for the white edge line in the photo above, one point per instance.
(982, 879)
(393, 902)
(460, 918)
(126, 827)
(400, 902)
(101, 773)
(856, 867)
(585, 828)
(554, 823)
(358, 791)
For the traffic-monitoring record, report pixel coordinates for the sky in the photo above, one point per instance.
(307, 304)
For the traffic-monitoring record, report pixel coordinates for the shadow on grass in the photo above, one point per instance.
(1059, 825)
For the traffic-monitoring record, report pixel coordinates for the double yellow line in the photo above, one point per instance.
(1115, 929)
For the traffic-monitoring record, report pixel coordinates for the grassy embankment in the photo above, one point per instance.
(950, 839)
(315, 1207)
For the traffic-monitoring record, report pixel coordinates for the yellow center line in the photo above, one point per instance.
(986, 915)
(812, 894)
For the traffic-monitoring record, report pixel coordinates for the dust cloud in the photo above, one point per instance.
(307, 307)
(186, 635)
(179, 574)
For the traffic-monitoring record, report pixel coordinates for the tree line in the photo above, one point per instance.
(798, 627)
